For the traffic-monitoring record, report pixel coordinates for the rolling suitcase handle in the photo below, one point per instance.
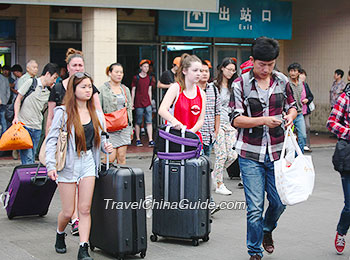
(104, 173)
(38, 180)
(182, 168)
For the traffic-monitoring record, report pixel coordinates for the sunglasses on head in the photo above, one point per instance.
(80, 75)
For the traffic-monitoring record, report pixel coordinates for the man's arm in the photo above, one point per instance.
(17, 106)
(162, 85)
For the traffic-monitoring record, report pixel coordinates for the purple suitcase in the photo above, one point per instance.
(29, 192)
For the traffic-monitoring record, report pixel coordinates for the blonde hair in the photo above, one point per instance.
(185, 63)
(73, 53)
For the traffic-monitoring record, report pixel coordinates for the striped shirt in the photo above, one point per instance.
(212, 109)
(339, 119)
(254, 143)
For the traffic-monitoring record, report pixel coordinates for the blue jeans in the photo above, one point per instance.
(207, 149)
(3, 122)
(28, 156)
(299, 123)
(257, 178)
(344, 221)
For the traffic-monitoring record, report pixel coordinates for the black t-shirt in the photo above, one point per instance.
(58, 92)
(89, 135)
(167, 77)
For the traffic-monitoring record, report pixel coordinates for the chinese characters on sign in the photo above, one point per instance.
(236, 19)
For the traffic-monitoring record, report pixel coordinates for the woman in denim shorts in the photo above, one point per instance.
(84, 125)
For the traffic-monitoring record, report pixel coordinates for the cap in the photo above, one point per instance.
(209, 63)
(246, 66)
(144, 61)
(177, 61)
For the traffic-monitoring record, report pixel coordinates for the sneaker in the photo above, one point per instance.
(339, 243)
(83, 253)
(138, 143)
(75, 228)
(307, 149)
(60, 245)
(268, 243)
(223, 190)
(240, 185)
(255, 257)
(151, 143)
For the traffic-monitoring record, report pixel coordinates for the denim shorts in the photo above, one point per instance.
(84, 166)
(144, 110)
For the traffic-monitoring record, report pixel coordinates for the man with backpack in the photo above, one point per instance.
(262, 97)
(141, 94)
(4, 98)
(36, 93)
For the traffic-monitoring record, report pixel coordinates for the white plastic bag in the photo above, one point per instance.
(294, 181)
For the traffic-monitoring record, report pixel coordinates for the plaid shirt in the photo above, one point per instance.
(338, 121)
(253, 143)
(212, 109)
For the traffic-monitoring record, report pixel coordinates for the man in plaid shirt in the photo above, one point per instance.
(262, 97)
(338, 123)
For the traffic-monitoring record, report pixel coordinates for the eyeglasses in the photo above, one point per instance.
(80, 75)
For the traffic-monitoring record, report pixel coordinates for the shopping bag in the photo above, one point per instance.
(16, 138)
(294, 180)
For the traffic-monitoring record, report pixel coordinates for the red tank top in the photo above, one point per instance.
(187, 110)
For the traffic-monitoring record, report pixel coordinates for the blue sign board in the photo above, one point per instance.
(235, 19)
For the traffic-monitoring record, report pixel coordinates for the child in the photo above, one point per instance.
(84, 125)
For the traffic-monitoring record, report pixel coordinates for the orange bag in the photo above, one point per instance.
(16, 138)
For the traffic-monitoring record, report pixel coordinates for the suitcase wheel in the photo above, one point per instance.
(154, 238)
(195, 242)
(143, 254)
(92, 248)
(206, 238)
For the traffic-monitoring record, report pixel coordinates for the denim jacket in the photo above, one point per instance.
(52, 138)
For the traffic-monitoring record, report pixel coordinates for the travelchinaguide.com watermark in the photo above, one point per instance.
(184, 204)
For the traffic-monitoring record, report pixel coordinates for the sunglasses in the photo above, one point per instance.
(80, 75)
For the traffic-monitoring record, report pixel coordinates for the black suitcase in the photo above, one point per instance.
(117, 231)
(29, 191)
(174, 181)
(234, 171)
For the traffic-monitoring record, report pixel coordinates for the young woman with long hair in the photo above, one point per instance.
(84, 125)
(225, 140)
(75, 63)
(186, 99)
(115, 96)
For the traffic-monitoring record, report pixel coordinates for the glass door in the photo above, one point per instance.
(7, 54)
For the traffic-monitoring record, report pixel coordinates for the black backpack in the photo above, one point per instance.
(10, 109)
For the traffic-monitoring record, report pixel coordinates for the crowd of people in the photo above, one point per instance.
(241, 114)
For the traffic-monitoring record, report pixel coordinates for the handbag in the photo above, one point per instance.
(294, 180)
(341, 156)
(61, 148)
(118, 119)
(16, 138)
(312, 106)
